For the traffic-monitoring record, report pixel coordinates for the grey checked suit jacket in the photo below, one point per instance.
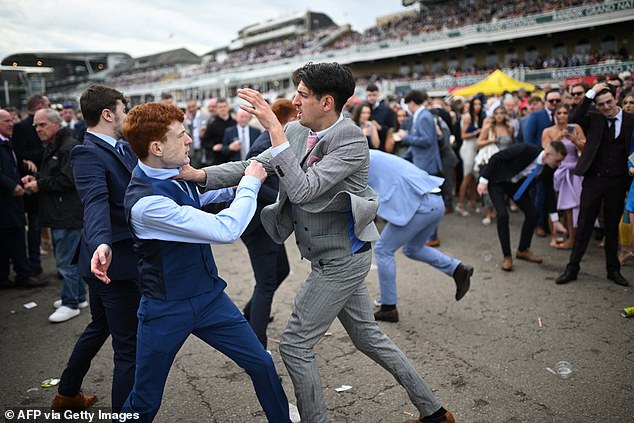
(314, 201)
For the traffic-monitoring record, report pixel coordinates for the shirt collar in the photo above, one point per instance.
(106, 138)
(156, 173)
(320, 134)
(3, 138)
(619, 115)
(540, 158)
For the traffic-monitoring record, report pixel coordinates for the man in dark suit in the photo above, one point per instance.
(511, 172)
(28, 146)
(102, 167)
(237, 139)
(532, 134)
(382, 116)
(603, 164)
(268, 258)
(12, 244)
(211, 142)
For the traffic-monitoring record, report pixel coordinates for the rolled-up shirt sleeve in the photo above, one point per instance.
(159, 217)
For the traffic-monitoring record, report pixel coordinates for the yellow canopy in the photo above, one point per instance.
(496, 83)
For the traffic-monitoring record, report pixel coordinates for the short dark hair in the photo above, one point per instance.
(327, 79)
(559, 147)
(34, 101)
(608, 90)
(579, 84)
(417, 96)
(96, 99)
(535, 99)
(372, 87)
(166, 96)
(552, 90)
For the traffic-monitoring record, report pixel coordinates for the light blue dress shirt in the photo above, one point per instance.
(159, 217)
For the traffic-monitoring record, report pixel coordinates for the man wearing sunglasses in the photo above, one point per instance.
(577, 91)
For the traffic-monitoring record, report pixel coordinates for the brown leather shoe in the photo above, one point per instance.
(434, 243)
(528, 256)
(386, 315)
(448, 419)
(76, 402)
(507, 264)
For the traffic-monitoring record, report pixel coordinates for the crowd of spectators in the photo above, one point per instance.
(457, 14)
(427, 19)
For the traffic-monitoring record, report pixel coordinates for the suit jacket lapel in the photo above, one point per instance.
(124, 160)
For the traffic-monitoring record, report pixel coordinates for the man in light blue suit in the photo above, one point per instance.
(410, 201)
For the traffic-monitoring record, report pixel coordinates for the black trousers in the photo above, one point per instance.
(114, 312)
(597, 191)
(497, 192)
(13, 250)
(270, 268)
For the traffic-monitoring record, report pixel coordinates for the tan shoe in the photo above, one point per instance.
(528, 256)
(507, 264)
(75, 402)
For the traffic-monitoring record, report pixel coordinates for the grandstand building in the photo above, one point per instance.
(25, 74)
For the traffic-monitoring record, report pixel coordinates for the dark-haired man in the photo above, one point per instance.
(382, 116)
(322, 163)
(603, 164)
(102, 167)
(423, 142)
(511, 172)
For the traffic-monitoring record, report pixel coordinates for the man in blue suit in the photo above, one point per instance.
(411, 202)
(532, 134)
(238, 139)
(102, 168)
(182, 291)
(423, 142)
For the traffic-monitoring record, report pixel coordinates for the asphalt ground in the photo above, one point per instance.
(485, 357)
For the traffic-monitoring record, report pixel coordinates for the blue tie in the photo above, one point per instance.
(520, 191)
(120, 148)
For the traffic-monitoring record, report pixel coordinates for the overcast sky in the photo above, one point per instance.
(141, 27)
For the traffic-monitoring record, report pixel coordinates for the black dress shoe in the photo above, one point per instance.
(32, 282)
(36, 271)
(617, 278)
(569, 275)
(386, 315)
(7, 284)
(462, 277)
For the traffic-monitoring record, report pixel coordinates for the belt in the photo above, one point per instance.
(366, 247)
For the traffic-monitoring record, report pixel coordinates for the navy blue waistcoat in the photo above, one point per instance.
(170, 270)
